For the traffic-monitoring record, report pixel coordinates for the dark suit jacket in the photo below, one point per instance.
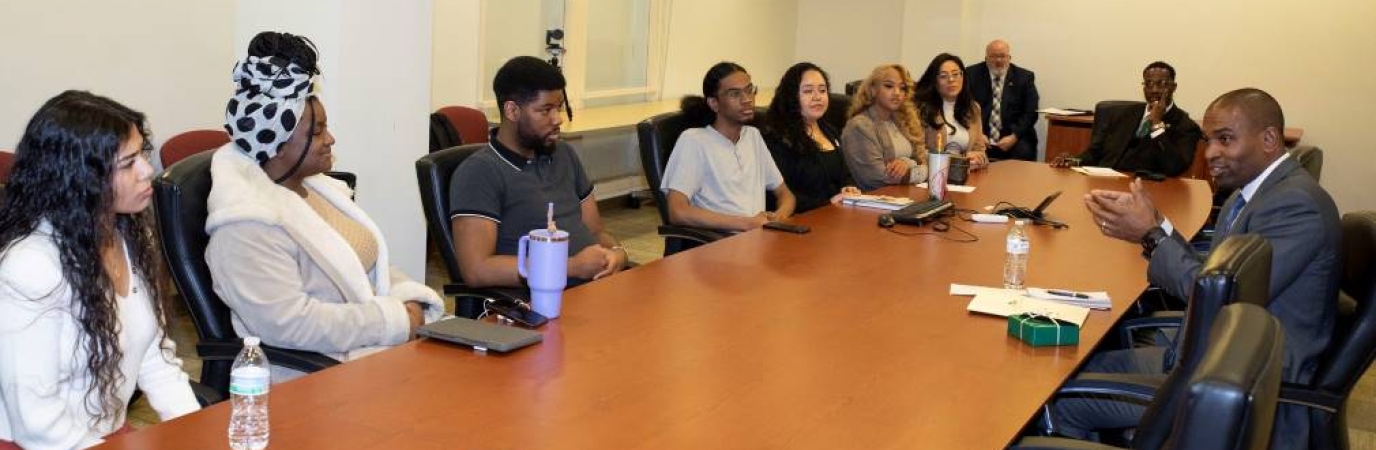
(1114, 143)
(1020, 100)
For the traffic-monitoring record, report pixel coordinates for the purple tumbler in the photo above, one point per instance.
(543, 258)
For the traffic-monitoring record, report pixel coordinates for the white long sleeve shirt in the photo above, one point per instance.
(43, 375)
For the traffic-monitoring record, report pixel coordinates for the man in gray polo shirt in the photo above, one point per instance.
(500, 193)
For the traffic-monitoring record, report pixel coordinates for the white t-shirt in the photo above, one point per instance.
(720, 176)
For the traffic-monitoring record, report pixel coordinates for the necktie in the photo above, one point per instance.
(1145, 128)
(1232, 214)
(996, 115)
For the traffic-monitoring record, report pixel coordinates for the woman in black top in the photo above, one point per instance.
(805, 149)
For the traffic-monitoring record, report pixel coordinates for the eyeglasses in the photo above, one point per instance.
(740, 94)
(1158, 84)
(950, 76)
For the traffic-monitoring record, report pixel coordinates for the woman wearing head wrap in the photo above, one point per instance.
(81, 325)
(300, 264)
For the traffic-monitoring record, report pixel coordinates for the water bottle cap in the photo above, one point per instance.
(250, 341)
(1020, 222)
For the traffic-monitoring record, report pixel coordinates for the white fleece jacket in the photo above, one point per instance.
(293, 281)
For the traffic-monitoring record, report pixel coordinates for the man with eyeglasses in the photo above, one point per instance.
(1156, 137)
(718, 173)
(1007, 96)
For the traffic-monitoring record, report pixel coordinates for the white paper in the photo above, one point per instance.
(876, 201)
(1061, 112)
(969, 289)
(1006, 304)
(1099, 172)
(964, 189)
(1096, 300)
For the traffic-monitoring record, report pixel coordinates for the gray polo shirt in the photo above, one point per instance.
(499, 185)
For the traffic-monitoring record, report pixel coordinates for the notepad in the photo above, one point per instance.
(1093, 300)
(1099, 172)
(964, 189)
(1006, 304)
(1062, 112)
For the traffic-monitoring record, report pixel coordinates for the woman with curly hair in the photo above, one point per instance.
(298, 263)
(81, 325)
(883, 140)
(805, 149)
(947, 107)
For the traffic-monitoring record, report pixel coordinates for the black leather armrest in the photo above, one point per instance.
(299, 360)
(1305, 396)
(1141, 386)
(461, 290)
(1052, 443)
(1157, 321)
(699, 235)
(205, 395)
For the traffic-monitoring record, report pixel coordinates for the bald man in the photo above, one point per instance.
(1009, 124)
(1275, 198)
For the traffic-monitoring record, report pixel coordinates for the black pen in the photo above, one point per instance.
(1067, 294)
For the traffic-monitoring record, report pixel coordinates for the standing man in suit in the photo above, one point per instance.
(1007, 95)
(1277, 199)
(1155, 137)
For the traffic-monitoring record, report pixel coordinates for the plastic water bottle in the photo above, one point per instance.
(249, 381)
(1015, 265)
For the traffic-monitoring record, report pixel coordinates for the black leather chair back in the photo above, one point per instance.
(657, 136)
(180, 201)
(434, 171)
(1237, 271)
(1230, 401)
(837, 107)
(1310, 158)
(853, 86)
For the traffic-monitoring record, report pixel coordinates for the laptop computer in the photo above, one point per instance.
(480, 335)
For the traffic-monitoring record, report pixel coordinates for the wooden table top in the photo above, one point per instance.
(841, 338)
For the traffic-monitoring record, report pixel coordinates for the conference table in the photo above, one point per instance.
(844, 337)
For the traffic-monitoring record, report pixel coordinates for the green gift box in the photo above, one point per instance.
(1039, 330)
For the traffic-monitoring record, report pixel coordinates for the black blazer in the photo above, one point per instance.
(805, 173)
(1020, 100)
(1114, 143)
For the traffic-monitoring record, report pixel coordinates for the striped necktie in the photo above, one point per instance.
(1227, 222)
(996, 114)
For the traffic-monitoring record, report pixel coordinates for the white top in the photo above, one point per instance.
(43, 376)
(720, 176)
(962, 135)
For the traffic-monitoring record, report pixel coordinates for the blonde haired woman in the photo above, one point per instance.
(883, 139)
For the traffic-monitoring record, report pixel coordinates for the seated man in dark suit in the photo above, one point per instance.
(1277, 199)
(1156, 137)
(1007, 96)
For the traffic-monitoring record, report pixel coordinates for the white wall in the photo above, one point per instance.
(375, 64)
(848, 39)
(169, 59)
(757, 34)
(1309, 56)
(455, 79)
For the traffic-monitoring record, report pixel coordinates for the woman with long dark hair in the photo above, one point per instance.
(805, 149)
(883, 139)
(81, 324)
(299, 264)
(949, 111)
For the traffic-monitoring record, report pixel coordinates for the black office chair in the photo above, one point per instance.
(1238, 272)
(837, 107)
(658, 135)
(434, 171)
(853, 86)
(1353, 347)
(180, 202)
(1229, 402)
